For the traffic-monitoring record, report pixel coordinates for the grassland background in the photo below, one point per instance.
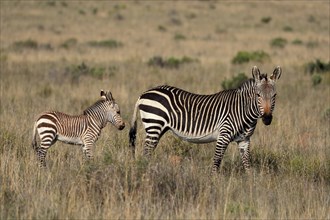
(290, 158)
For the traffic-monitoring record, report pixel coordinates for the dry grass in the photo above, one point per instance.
(290, 158)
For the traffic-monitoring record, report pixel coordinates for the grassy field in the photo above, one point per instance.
(60, 54)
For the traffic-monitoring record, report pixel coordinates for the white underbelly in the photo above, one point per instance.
(207, 138)
(70, 140)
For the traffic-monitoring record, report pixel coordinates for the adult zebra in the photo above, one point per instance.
(81, 129)
(230, 115)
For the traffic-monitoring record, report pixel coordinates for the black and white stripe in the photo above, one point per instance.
(230, 115)
(81, 129)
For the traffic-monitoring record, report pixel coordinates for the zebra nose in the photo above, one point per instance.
(267, 119)
(122, 126)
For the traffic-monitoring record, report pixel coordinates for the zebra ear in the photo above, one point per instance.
(103, 95)
(110, 97)
(276, 74)
(256, 73)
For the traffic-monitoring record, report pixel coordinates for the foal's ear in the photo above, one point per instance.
(276, 74)
(256, 73)
(103, 95)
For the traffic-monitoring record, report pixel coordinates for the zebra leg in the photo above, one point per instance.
(88, 154)
(47, 139)
(244, 147)
(41, 154)
(87, 148)
(42, 151)
(150, 144)
(220, 149)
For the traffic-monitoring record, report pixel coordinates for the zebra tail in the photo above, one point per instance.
(34, 137)
(132, 131)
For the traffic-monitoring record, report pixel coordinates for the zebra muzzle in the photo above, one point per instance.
(121, 126)
(267, 119)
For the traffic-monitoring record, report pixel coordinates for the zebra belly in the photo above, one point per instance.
(211, 137)
(70, 140)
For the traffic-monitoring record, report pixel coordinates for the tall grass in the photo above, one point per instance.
(290, 158)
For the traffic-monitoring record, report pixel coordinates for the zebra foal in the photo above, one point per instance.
(81, 130)
(224, 117)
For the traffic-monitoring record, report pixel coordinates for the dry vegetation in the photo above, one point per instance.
(59, 54)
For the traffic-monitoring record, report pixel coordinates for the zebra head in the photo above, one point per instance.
(266, 92)
(113, 111)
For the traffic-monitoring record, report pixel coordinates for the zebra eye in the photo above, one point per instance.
(118, 112)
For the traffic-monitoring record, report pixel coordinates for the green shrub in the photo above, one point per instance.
(82, 12)
(316, 79)
(317, 66)
(297, 42)
(179, 37)
(245, 57)
(31, 44)
(287, 28)
(51, 3)
(95, 11)
(171, 62)
(266, 20)
(106, 43)
(64, 4)
(69, 43)
(28, 44)
(162, 28)
(234, 82)
(278, 42)
(98, 72)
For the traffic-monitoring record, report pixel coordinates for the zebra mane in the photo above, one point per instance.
(250, 83)
(89, 109)
(247, 85)
(106, 97)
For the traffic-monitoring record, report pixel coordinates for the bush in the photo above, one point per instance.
(234, 82)
(245, 57)
(69, 43)
(287, 28)
(28, 44)
(171, 62)
(297, 42)
(75, 72)
(162, 28)
(316, 79)
(106, 43)
(317, 67)
(266, 20)
(278, 42)
(179, 37)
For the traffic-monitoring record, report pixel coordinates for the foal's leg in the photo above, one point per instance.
(46, 141)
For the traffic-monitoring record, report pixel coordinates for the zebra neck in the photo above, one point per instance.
(98, 115)
(100, 118)
(249, 103)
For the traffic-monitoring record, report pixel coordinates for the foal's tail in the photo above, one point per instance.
(132, 131)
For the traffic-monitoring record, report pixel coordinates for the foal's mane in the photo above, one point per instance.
(96, 104)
